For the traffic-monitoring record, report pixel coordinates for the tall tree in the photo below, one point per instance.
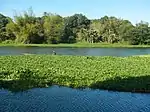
(26, 28)
(3, 22)
(140, 34)
(53, 28)
(74, 24)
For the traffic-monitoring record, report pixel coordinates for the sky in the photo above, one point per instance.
(133, 10)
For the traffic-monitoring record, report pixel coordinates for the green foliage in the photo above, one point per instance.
(73, 25)
(3, 22)
(140, 34)
(53, 29)
(8, 42)
(26, 28)
(116, 73)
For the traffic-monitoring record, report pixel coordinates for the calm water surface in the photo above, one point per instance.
(63, 99)
(75, 51)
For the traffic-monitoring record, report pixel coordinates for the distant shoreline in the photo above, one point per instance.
(78, 45)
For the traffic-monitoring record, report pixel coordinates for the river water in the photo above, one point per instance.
(75, 51)
(63, 99)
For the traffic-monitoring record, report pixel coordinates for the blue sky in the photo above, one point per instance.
(133, 10)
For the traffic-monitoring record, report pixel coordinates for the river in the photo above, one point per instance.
(75, 51)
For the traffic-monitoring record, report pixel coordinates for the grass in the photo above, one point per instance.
(96, 45)
(111, 73)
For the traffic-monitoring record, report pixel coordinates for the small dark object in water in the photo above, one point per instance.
(90, 58)
(54, 53)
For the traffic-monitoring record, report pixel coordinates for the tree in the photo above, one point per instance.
(3, 22)
(26, 28)
(53, 28)
(111, 29)
(140, 34)
(75, 24)
(68, 36)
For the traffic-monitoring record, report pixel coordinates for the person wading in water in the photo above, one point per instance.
(54, 53)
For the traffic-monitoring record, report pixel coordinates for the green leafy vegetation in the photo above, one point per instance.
(112, 73)
(53, 29)
(75, 45)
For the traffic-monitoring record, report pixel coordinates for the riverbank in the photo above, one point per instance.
(111, 73)
(82, 45)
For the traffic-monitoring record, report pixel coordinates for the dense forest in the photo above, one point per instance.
(54, 29)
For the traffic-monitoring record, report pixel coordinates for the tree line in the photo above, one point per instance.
(53, 29)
